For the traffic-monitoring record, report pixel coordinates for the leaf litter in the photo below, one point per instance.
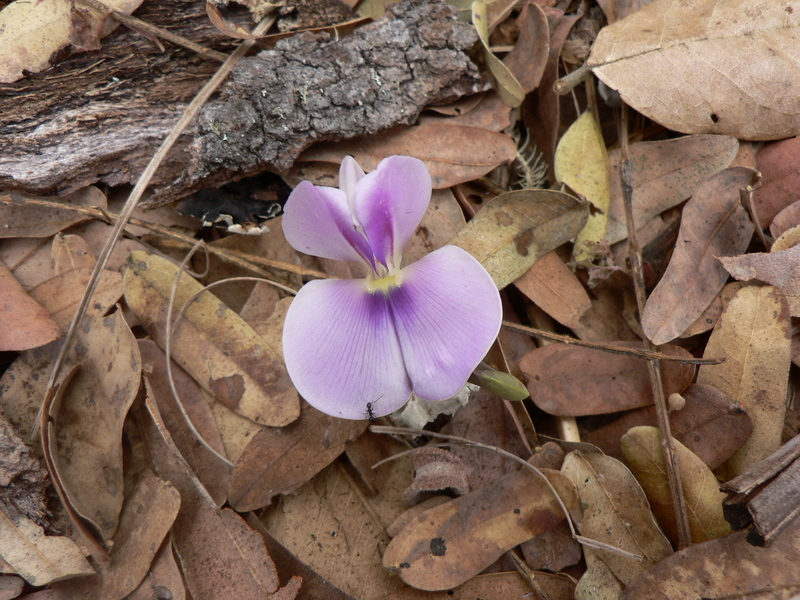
(145, 506)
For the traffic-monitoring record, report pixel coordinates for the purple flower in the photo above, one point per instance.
(421, 328)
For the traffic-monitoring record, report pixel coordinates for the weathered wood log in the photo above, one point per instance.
(98, 116)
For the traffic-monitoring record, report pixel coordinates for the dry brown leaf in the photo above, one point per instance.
(39, 559)
(338, 531)
(780, 268)
(598, 583)
(495, 586)
(10, 586)
(615, 511)
(213, 344)
(551, 285)
(707, 67)
(506, 84)
(71, 252)
(664, 174)
(731, 568)
(278, 461)
(573, 381)
(220, 556)
(24, 323)
(754, 337)
(644, 454)
(146, 519)
(516, 228)
(210, 470)
(491, 114)
(453, 153)
(713, 224)
(163, 577)
(29, 259)
(451, 543)
(709, 424)
(91, 418)
(708, 320)
(62, 294)
(443, 220)
(616, 10)
(780, 178)
(528, 59)
(786, 219)
(21, 219)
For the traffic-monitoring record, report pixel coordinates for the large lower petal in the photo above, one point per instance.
(319, 222)
(342, 352)
(447, 313)
(389, 204)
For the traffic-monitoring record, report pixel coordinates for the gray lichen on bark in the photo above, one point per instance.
(313, 87)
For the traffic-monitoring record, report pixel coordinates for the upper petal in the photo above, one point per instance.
(390, 202)
(318, 220)
(447, 313)
(341, 350)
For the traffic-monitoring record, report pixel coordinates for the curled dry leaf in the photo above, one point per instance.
(754, 337)
(38, 558)
(91, 417)
(786, 219)
(212, 343)
(644, 454)
(713, 224)
(453, 153)
(732, 568)
(780, 268)
(615, 511)
(147, 517)
(780, 173)
(664, 174)
(23, 218)
(581, 162)
(574, 381)
(707, 67)
(528, 59)
(508, 87)
(24, 323)
(553, 287)
(278, 461)
(436, 471)
(709, 424)
(450, 543)
(516, 228)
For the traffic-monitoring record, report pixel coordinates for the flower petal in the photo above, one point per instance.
(447, 313)
(341, 350)
(350, 173)
(317, 220)
(390, 202)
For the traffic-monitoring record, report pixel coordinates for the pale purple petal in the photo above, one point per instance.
(319, 222)
(341, 350)
(447, 313)
(350, 173)
(390, 202)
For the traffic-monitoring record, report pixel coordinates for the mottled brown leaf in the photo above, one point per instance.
(780, 268)
(24, 323)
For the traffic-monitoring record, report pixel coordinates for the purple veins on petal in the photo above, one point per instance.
(341, 350)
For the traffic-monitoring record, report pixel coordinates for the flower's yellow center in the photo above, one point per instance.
(384, 284)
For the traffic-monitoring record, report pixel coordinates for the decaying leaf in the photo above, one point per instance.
(528, 59)
(495, 586)
(278, 461)
(707, 67)
(708, 320)
(780, 268)
(780, 173)
(24, 323)
(91, 418)
(450, 543)
(71, 252)
(581, 162)
(786, 219)
(553, 287)
(453, 153)
(26, 219)
(644, 454)
(507, 85)
(709, 424)
(40, 559)
(212, 343)
(713, 224)
(731, 568)
(598, 583)
(754, 337)
(615, 511)
(515, 229)
(575, 381)
(664, 174)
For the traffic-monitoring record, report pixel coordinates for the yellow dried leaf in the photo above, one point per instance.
(508, 87)
(581, 162)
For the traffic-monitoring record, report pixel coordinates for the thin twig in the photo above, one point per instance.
(647, 354)
(158, 32)
(139, 190)
(653, 366)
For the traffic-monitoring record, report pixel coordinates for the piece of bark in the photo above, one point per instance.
(277, 103)
(23, 479)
